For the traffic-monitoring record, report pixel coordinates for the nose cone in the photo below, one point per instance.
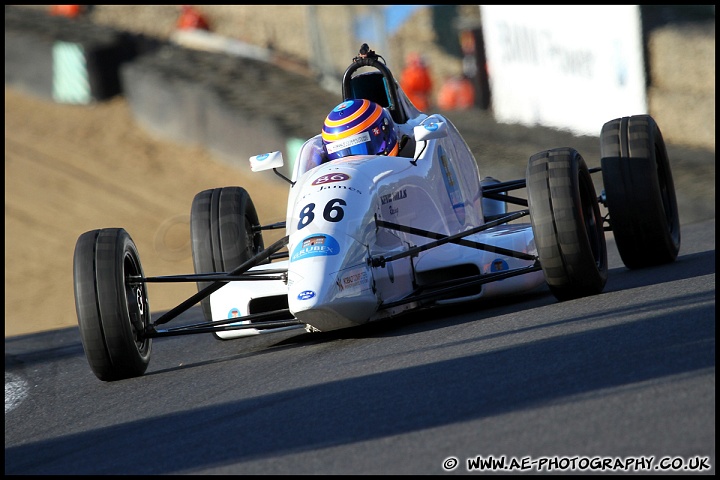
(331, 223)
(329, 284)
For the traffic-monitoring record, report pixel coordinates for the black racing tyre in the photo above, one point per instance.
(639, 191)
(112, 310)
(224, 233)
(566, 223)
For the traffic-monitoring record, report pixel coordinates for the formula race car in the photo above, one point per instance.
(386, 213)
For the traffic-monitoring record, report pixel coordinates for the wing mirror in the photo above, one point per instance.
(266, 161)
(430, 130)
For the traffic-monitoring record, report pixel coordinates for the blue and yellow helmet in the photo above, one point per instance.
(359, 127)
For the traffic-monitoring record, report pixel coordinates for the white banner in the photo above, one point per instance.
(567, 67)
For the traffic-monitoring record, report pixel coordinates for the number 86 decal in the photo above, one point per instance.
(332, 212)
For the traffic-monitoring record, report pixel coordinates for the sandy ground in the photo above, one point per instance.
(70, 169)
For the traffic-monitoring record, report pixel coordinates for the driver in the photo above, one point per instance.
(359, 127)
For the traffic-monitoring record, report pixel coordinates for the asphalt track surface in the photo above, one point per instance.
(624, 375)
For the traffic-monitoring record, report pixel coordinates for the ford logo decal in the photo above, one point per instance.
(306, 295)
(263, 156)
(431, 126)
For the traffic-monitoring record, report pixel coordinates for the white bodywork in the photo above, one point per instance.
(331, 221)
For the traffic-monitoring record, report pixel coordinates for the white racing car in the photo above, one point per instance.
(386, 213)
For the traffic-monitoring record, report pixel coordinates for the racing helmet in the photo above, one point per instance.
(359, 127)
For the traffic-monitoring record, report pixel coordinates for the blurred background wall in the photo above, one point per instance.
(678, 44)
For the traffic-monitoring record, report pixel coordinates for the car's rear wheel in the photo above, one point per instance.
(566, 223)
(112, 305)
(225, 233)
(639, 191)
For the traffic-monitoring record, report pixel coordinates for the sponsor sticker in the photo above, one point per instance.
(343, 106)
(235, 313)
(499, 265)
(306, 295)
(352, 280)
(348, 142)
(330, 178)
(393, 197)
(314, 246)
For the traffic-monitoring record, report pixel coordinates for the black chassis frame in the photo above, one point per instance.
(283, 318)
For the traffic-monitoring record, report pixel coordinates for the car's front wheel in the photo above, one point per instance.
(566, 222)
(639, 190)
(225, 233)
(112, 304)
